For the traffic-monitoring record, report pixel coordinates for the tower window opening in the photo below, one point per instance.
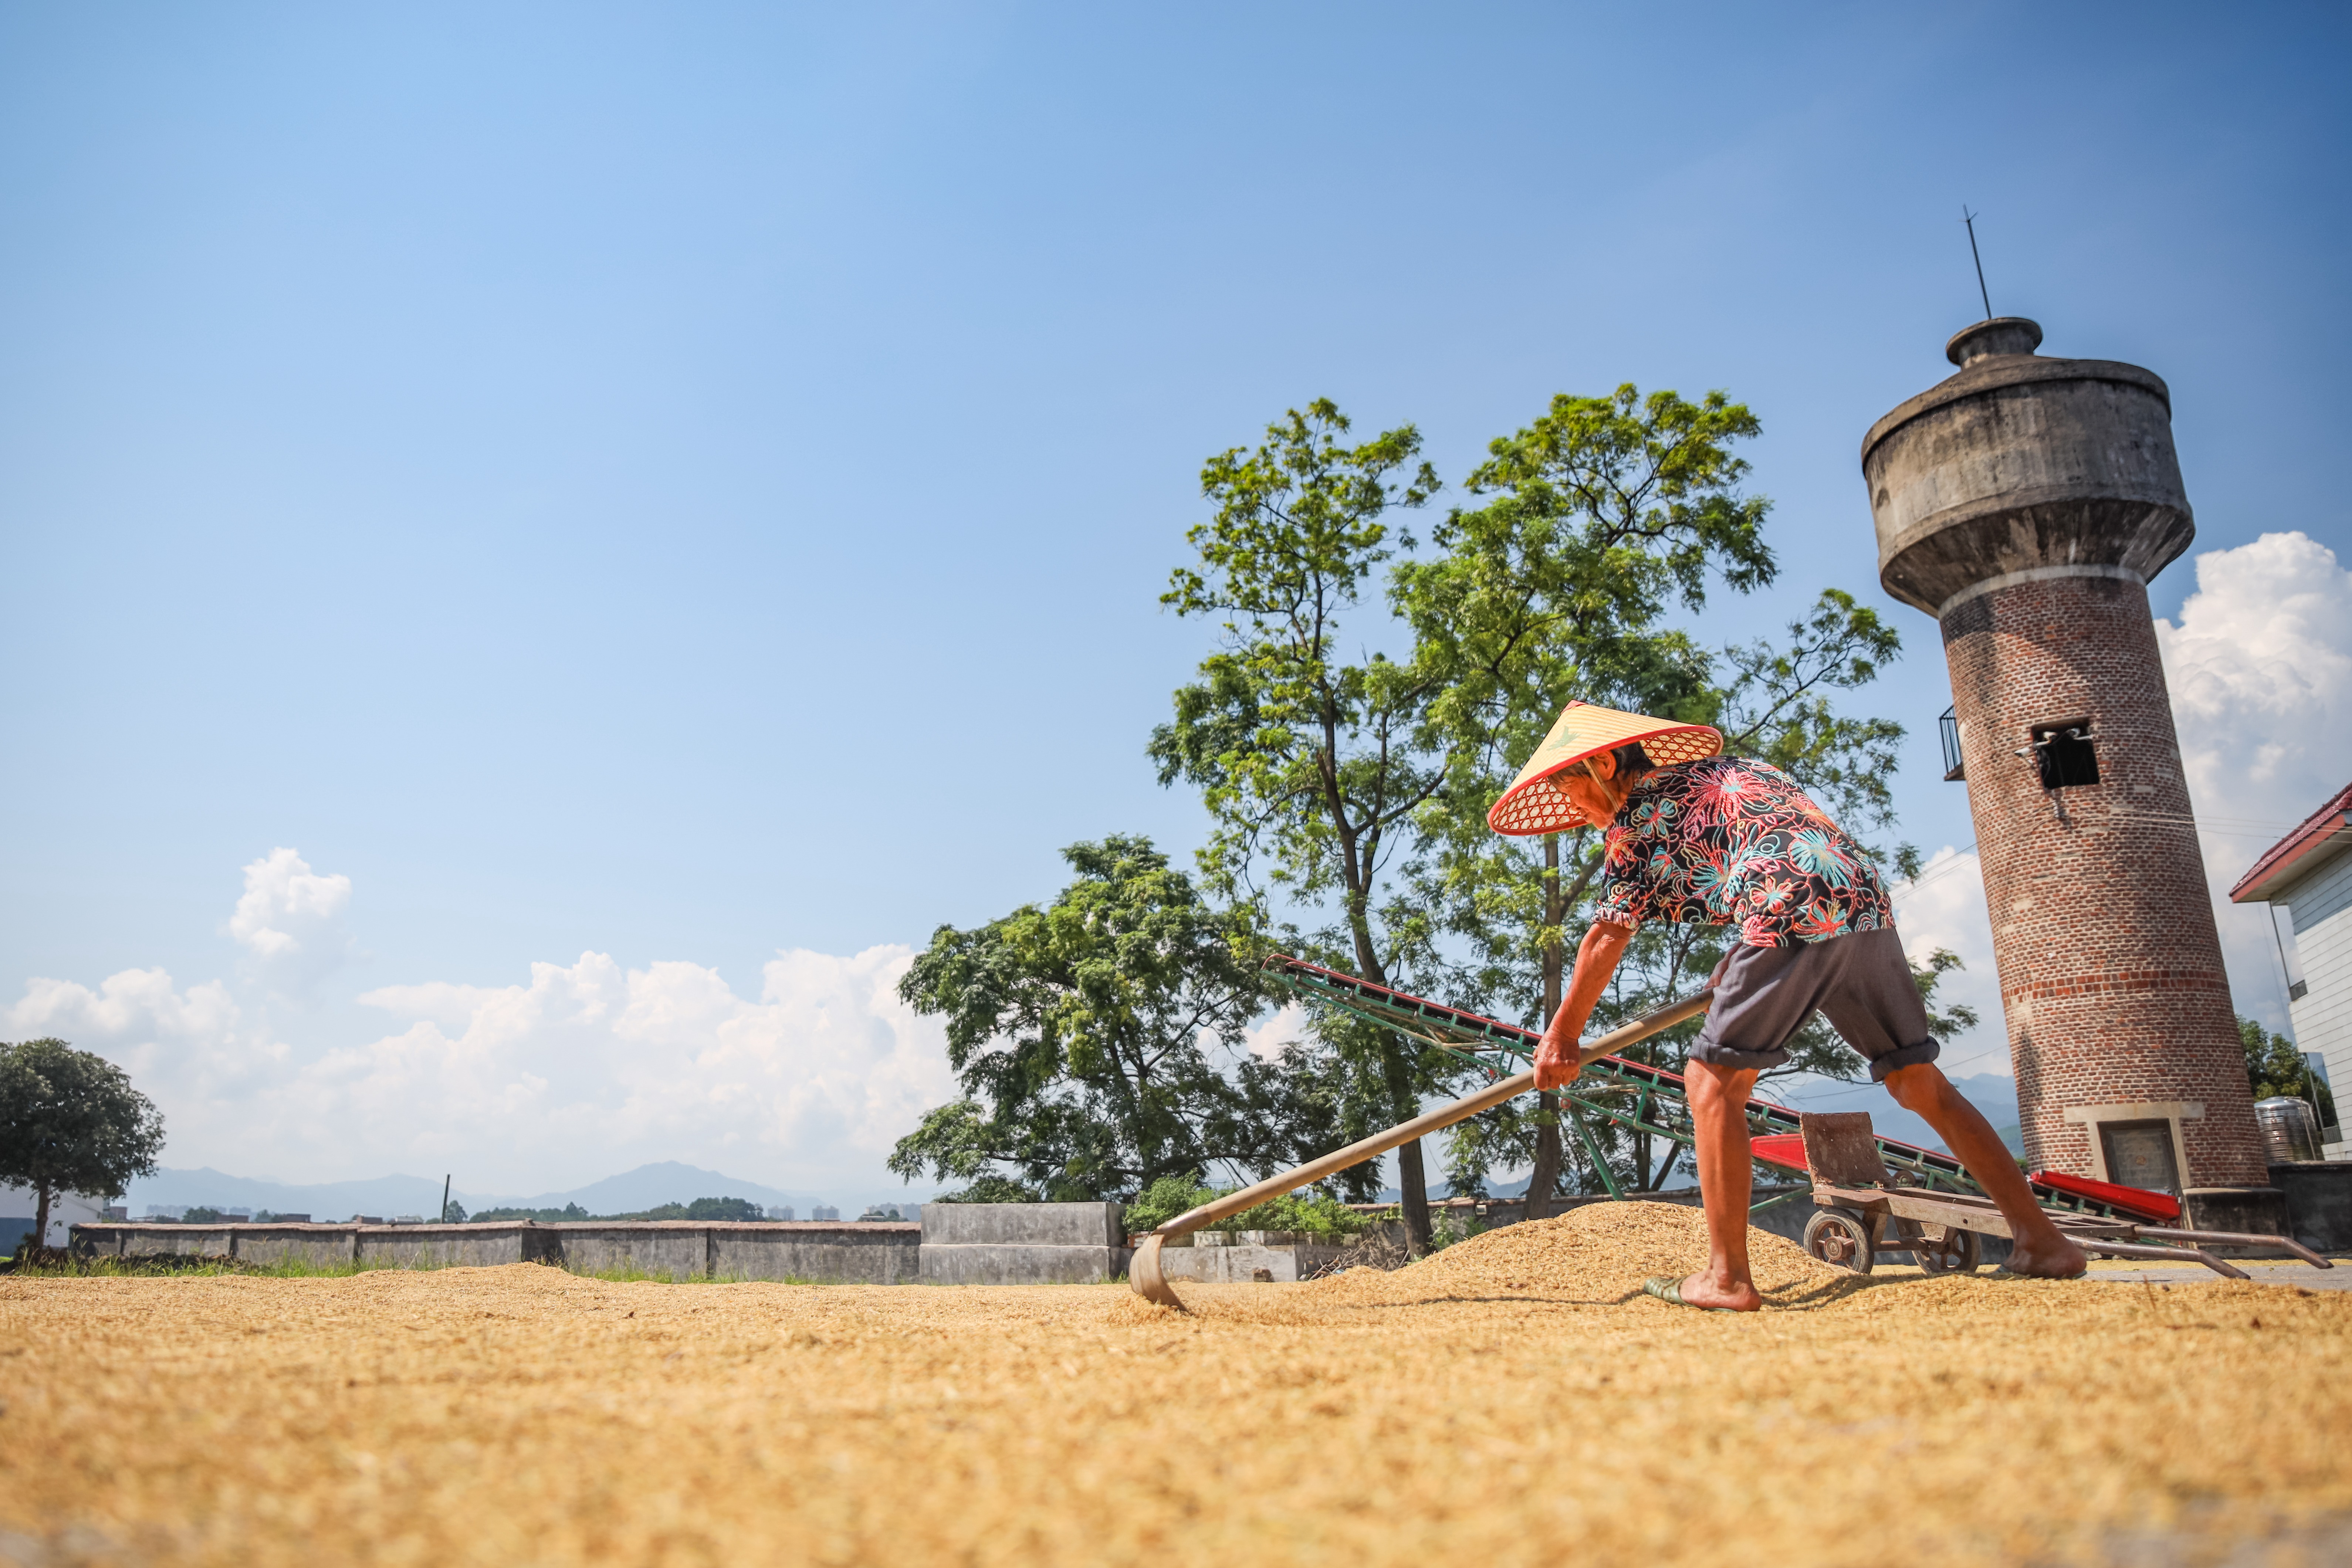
(2064, 754)
(1949, 724)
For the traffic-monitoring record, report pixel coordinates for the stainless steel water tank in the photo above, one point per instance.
(2290, 1130)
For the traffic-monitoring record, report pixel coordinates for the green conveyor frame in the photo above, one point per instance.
(1629, 1094)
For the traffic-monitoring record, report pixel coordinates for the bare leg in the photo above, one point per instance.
(1718, 1101)
(2040, 1248)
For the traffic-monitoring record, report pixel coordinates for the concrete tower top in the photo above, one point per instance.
(2023, 467)
(1993, 335)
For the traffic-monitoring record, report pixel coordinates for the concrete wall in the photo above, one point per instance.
(2318, 1202)
(673, 1249)
(879, 1253)
(431, 1246)
(1243, 1257)
(113, 1240)
(1021, 1225)
(1021, 1243)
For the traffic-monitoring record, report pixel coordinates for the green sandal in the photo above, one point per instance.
(1666, 1288)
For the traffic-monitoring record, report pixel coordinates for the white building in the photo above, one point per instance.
(2310, 873)
(19, 1207)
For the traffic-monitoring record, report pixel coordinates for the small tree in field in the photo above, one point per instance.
(70, 1122)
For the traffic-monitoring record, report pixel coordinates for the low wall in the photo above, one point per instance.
(669, 1249)
(879, 1252)
(2318, 1202)
(1277, 1257)
(820, 1251)
(1021, 1243)
(2249, 1211)
(1243, 1257)
(955, 1244)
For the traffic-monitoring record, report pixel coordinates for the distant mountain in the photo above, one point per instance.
(383, 1195)
(647, 1186)
(650, 1187)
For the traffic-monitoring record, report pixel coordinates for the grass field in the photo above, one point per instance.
(1511, 1401)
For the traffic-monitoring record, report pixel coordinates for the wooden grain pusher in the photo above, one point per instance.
(1865, 1213)
(1636, 1097)
(1144, 1275)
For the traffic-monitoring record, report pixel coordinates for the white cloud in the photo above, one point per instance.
(1266, 1041)
(135, 1004)
(1945, 907)
(589, 1062)
(290, 920)
(583, 1071)
(182, 1048)
(2260, 674)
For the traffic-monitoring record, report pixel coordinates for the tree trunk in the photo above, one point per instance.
(40, 1222)
(1413, 1181)
(1546, 1175)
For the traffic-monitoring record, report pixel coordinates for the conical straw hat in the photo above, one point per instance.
(1533, 806)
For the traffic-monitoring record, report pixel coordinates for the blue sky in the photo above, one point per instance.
(688, 483)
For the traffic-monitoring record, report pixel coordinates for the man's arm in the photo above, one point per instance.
(1596, 961)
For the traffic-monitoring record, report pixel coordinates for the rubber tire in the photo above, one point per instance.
(1839, 1237)
(1966, 1243)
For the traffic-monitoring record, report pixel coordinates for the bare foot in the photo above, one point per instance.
(2056, 1258)
(1705, 1289)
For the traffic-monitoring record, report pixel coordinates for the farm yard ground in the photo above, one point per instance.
(1512, 1400)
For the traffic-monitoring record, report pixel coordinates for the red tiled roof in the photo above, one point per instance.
(2331, 823)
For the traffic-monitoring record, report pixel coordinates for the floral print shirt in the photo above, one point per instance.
(1726, 841)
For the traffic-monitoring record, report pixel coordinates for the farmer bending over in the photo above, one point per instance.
(1694, 836)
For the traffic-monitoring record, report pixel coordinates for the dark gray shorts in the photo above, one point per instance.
(1859, 982)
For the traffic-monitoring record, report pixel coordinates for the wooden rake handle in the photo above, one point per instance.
(1143, 1274)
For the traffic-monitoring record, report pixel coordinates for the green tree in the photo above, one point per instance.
(70, 1122)
(569, 1212)
(1309, 752)
(1100, 1041)
(2275, 1067)
(1604, 512)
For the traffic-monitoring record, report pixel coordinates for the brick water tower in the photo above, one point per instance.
(2025, 503)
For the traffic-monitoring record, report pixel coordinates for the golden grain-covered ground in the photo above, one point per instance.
(1506, 1402)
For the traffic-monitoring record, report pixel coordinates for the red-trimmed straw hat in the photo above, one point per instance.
(1533, 804)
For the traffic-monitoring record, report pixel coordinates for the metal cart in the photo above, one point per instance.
(1865, 1215)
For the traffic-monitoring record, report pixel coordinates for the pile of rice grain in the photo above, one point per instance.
(1600, 1253)
(483, 1417)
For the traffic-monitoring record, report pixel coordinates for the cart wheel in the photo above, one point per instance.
(1840, 1237)
(1958, 1252)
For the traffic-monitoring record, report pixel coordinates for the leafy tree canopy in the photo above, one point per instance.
(2275, 1066)
(1354, 787)
(71, 1122)
(1099, 1041)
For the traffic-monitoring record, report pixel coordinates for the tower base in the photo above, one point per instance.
(2319, 1197)
(2249, 1211)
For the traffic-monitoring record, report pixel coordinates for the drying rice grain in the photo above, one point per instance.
(1598, 1253)
(1494, 1404)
